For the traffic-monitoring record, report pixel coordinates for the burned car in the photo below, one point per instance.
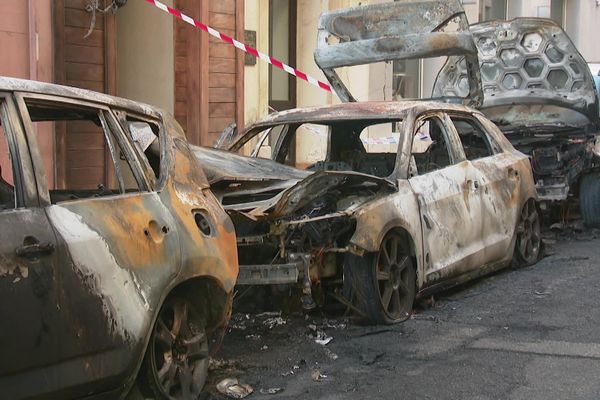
(539, 90)
(118, 267)
(400, 199)
(407, 198)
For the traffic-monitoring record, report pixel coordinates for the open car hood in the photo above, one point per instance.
(404, 29)
(532, 75)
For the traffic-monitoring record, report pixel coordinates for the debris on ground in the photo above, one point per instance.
(269, 314)
(317, 376)
(253, 337)
(274, 390)
(238, 321)
(294, 369)
(318, 335)
(273, 322)
(232, 388)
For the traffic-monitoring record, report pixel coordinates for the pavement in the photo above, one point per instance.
(530, 333)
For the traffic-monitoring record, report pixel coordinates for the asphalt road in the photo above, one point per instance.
(531, 333)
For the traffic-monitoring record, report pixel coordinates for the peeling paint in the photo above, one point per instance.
(122, 301)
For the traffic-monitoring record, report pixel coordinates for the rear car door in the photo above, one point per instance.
(498, 184)
(31, 318)
(117, 246)
(444, 183)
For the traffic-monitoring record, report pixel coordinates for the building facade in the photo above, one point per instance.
(141, 53)
(135, 51)
(295, 43)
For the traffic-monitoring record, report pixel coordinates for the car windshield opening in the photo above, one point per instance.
(368, 147)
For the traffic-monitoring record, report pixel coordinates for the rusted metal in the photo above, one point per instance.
(408, 29)
(83, 279)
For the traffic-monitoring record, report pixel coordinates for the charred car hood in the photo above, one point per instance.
(259, 187)
(532, 76)
(406, 29)
(220, 165)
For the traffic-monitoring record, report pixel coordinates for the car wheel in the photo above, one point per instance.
(528, 243)
(384, 283)
(175, 366)
(589, 200)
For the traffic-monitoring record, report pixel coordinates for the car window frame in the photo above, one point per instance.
(454, 147)
(491, 142)
(157, 184)
(110, 121)
(22, 170)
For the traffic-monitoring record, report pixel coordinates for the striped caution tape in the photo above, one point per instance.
(244, 47)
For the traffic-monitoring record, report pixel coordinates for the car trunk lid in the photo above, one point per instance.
(532, 76)
(400, 30)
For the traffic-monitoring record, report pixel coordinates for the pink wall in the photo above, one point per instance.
(26, 49)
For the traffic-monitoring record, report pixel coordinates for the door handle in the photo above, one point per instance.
(35, 249)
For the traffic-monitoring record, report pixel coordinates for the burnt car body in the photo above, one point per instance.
(376, 226)
(539, 90)
(98, 284)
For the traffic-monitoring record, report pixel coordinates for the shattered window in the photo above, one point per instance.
(90, 159)
(145, 137)
(473, 138)
(7, 191)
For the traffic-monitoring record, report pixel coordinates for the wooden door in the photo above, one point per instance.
(209, 74)
(89, 63)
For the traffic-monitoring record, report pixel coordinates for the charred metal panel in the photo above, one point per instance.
(407, 29)
(528, 62)
(83, 280)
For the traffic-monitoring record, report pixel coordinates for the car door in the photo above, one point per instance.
(498, 185)
(30, 314)
(117, 246)
(445, 185)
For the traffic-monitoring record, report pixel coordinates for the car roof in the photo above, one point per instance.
(30, 86)
(371, 110)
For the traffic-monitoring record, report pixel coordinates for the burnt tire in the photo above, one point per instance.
(382, 284)
(589, 200)
(175, 365)
(528, 241)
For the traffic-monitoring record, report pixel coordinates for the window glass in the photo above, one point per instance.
(7, 190)
(430, 150)
(145, 136)
(474, 140)
(90, 158)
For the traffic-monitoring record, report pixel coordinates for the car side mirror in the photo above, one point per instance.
(227, 137)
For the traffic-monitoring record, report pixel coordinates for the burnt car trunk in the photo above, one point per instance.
(539, 91)
(408, 29)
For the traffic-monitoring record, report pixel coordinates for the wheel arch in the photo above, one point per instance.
(202, 290)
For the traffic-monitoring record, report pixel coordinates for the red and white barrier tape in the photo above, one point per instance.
(240, 45)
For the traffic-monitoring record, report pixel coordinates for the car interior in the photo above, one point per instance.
(87, 148)
(430, 150)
